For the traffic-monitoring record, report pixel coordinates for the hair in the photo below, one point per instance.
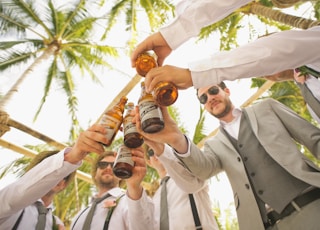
(222, 85)
(45, 154)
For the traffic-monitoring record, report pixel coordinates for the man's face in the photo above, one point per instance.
(215, 100)
(104, 176)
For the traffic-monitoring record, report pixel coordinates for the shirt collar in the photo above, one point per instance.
(236, 112)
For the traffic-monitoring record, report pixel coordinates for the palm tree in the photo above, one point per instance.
(40, 32)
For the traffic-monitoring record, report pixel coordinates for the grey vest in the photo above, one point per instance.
(271, 183)
(310, 98)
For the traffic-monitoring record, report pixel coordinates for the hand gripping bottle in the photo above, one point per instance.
(164, 93)
(150, 113)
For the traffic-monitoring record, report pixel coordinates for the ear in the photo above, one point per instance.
(227, 91)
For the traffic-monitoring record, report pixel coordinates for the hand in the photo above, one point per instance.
(281, 76)
(299, 77)
(154, 42)
(180, 77)
(88, 141)
(134, 187)
(156, 164)
(170, 134)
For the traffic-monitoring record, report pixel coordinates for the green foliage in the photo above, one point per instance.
(38, 31)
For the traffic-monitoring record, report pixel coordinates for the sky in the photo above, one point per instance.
(53, 121)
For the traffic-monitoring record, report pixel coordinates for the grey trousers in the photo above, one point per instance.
(308, 218)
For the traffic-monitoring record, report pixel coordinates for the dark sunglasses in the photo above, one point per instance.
(214, 90)
(104, 164)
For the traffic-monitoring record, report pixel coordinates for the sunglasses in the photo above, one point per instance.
(104, 164)
(214, 90)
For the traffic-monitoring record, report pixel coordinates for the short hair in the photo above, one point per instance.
(45, 154)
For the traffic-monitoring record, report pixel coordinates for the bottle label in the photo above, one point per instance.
(149, 109)
(124, 156)
(111, 124)
(128, 126)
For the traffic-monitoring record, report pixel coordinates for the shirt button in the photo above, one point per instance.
(239, 159)
(240, 145)
(252, 174)
(245, 158)
(247, 186)
(260, 192)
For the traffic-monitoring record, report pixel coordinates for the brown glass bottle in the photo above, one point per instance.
(112, 119)
(164, 93)
(123, 164)
(132, 138)
(150, 113)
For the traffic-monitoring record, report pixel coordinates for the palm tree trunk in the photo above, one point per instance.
(4, 116)
(276, 15)
(286, 3)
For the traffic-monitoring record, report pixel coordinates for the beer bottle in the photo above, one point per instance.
(132, 138)
(164, 93)
(112, 119)
(150, 113)
(123, 164)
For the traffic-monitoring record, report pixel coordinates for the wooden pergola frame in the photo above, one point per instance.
(6, 123)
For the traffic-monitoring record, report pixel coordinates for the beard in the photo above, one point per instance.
(107, 182)
(228, 107)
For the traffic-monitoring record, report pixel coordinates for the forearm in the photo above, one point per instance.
(34, 184)
(193, 15)
(265, 56)
(141, 212)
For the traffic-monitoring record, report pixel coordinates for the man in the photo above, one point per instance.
(265, 56)
(309, 86)
(185, 210)
(49, 173)
(275, 186)
(113, 210)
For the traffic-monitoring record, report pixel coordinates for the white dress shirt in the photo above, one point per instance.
(192, 15)
(179, 209)
(22, 193)
(265, 56)
(180, 214)
(121, 219)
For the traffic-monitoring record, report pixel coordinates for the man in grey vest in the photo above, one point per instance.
(275, 186)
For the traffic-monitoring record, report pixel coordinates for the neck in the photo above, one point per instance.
(229, 116)
(103, 190)
(47, 199)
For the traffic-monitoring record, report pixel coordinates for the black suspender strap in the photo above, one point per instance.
(16, 225)
(107, 221)
(195, 212)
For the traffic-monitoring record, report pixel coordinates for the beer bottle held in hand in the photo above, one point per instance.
(132, 138)
(112, 119)
(164, 93)
(123, 164)
(150, 113)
